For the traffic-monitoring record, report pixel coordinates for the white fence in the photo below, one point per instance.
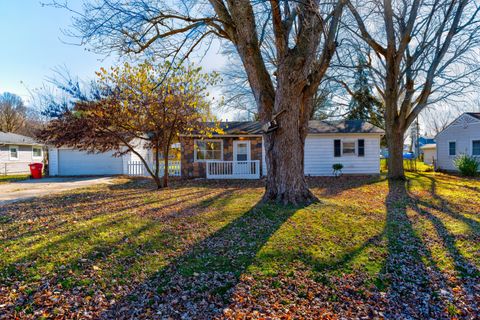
(136, 168)
(233, 169)
(12, 168)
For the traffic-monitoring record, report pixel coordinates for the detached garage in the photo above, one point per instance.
(70, 162)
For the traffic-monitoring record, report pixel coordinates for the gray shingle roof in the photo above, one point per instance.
(342, 126)
(13, 138)
(314, 127)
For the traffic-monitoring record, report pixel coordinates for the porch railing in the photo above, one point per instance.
(136, 168)
(233, 169)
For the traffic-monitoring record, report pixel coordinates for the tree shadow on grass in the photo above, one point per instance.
(415, 285)
(407, 276)
(199, 283)
(448, 208)
(64, 240)
(70, 256)
(331, 186)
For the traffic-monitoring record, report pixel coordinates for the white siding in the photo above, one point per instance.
(19, 165)
(139, 146)
(53, 161)
(319, 155)
(462, 131)
(429, 155)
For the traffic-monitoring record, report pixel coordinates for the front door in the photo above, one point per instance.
(241, 157)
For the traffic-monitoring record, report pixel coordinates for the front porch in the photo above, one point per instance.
(219, 158)
(228, 157)
(214, 169)
(233, 169)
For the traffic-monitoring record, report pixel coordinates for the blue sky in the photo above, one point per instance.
(33, 45)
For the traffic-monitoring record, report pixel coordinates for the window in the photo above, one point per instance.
(206, 150)
(337, 148)
(36, 152)
(361, 147)
(452, 148)
(348, 148)
(476, 147)
(13, 152)
(242, 150)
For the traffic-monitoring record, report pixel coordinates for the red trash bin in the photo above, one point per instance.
(36, 170)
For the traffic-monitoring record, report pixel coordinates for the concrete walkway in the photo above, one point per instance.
(27, 189)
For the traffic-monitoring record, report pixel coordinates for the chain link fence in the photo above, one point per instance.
(12, 168)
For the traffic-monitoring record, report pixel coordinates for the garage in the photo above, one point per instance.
(78, 163)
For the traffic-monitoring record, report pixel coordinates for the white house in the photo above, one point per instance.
(429, 151)
(462, 136)
(239, 153)
(17, 152)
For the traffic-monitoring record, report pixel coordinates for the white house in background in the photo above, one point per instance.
(462, 136)
(429, 151)
(17, 152)
(239, 153)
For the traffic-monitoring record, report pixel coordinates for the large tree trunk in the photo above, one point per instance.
(395, 135)
(284, 147)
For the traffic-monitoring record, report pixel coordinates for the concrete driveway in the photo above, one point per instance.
(27, 189)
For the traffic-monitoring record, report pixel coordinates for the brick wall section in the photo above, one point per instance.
(192, 169)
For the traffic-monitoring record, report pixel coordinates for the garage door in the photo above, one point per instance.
(78, 163)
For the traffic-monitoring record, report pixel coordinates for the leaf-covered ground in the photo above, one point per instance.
(206, 250)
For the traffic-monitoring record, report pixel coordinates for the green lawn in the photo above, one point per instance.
(409, 165)
(210, 249)
(11, 178)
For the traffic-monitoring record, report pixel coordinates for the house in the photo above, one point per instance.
(426, 143)
(17, 152)
(425, 140)
(239, 153)
(429, 152)
(462, 136)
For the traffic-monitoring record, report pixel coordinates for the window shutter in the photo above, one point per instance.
(361, 147)
(337, 148)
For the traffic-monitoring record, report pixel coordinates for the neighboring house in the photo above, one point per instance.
(429, 151)
(425, 140)
(462, 136)
(238, 153)
(17, 152)
(430, 145)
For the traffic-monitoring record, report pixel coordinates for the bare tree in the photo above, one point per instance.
(304, 34)
(423, 52)
(437, 119)
(13, 112)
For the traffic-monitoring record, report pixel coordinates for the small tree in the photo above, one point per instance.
(135, 106)
(12, 112)
(467, 165)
